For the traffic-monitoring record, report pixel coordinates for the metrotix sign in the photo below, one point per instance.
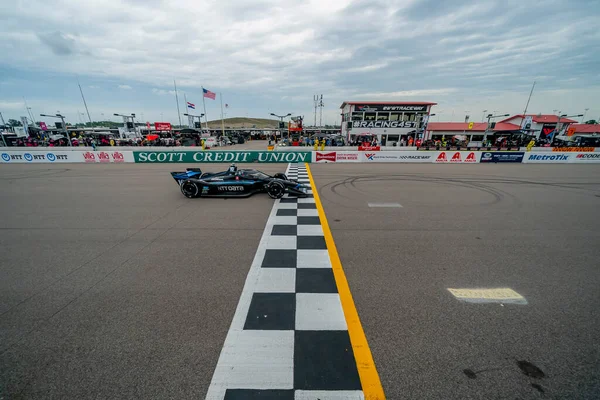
(221, 156)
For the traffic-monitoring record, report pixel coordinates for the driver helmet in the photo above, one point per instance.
(232, 168)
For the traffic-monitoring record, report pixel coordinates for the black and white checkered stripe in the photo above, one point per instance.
(289, 338)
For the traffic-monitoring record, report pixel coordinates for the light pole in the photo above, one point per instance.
(126, 119)
(3, 127)
(583, 118)
(281, 117)
(557, 129)
(483, 115)
(62, 118)
(35, 122)
(195, 116)
(490, 116)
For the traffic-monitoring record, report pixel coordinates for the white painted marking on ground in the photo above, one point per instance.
(276, 280)
(308, 212)
(319, 312)
(385, 205)
(236, 367)
(258, 359)
(329, 395)
(282, 242)
(289, 206)
(488, 295)
(284, 220)
(313, 259)
(310, 230)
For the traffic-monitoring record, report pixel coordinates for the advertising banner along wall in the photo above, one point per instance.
(37, 156)
(457, 157)
(561, 158)
(221, 156)
(501, 157)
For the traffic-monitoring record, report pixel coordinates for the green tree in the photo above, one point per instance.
(14, 122)
(591, 122)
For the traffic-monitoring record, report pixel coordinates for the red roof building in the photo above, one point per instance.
(464, 126)
(586, 129)
(539, 119)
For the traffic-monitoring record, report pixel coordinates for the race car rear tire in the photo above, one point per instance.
(275, 190)
(190, 189)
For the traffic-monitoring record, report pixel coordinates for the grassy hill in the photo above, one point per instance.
(242, 122)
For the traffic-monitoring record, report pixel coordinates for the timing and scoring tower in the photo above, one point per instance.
(389, 121)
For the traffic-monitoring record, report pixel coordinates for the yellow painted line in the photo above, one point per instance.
(369, 378)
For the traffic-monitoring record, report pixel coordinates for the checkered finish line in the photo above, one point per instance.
(289, 339)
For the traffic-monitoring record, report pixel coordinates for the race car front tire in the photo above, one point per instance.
(275, 190)
(190, 189)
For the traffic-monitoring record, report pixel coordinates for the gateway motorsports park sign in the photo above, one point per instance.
(221, 156)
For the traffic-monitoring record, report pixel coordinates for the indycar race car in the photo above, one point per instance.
(236, 183)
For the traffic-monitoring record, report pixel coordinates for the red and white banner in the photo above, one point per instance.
(329, 156)
(586, 158)
(457, 157)
(162, 126)
(335, 156)
(369, 148)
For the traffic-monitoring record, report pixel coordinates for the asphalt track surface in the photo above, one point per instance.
(532, 228)
(113, 285)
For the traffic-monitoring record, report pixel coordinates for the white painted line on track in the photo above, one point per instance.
(385, 205)
(237, 366)
(488, 295)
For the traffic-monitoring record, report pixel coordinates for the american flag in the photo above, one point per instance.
(190, 105)
(209, 94)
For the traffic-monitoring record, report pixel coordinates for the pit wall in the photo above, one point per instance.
(111, 155)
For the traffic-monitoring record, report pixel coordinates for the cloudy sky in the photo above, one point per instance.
(273, 55)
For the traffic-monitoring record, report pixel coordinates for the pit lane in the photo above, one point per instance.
(113, 285)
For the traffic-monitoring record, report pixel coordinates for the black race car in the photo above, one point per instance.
(236, 183)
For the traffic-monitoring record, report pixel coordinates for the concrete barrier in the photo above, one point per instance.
(70, 156)
(177, 155)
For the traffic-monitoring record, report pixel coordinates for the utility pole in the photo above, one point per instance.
(84, 103)
(316, 104)
(530, 93)
(177, 101)
(29, 112)
(2, 133)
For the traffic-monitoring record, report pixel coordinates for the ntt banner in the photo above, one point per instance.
(221, 156)
(43, 156)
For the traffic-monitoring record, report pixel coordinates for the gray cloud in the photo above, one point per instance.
(444, 51)
(58, 42)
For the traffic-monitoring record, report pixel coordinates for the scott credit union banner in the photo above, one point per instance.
(221, 156)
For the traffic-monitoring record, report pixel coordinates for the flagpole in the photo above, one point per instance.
(177, 101)
(204, 104)
(186, 107)
(222, 121)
